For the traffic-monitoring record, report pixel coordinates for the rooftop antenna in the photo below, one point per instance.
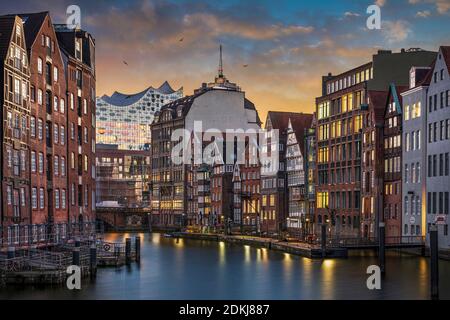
(220, 63)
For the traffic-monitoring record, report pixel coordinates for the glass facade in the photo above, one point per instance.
(124, 120)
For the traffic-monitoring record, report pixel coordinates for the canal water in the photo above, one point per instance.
(190, 269)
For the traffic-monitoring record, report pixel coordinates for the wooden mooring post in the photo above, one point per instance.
(11, 252)
(324, 240)
(138, 249)
(382, 247)
(434, 263)
(128, 251)
(76, 253)
(93, 261)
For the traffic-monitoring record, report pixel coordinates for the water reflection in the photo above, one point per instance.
(172, 269)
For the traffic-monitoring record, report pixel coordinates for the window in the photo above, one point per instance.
(434, 165)
(56, 133)
(86, 164)
(322, 200)
(41, 198)
(63, 198)
(33, 127)
(406, 113)
(85, 106)
(40, 97)
(63, 166)
(56, 165)
(72, 160)
(39, 65)
(72, 194)
(62, 106)
(446, 203)
(446, 173)
(33, 161)
(41, 163)
(55, 74)
(407, 142)
(72, 131)
(9, 195)
(71, 101)
(63, 135)
(86, 138)
(34, 198)
(40, 129)
(57, 198)
(418, 140)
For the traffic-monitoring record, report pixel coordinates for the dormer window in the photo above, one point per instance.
(78, 48)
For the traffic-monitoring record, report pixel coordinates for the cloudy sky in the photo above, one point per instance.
(286, 46)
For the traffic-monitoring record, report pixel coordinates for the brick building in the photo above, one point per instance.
(15, 176)
(392, 156)
(372, 171)
(78, 52)
(311, 159)
(274, 192)
(340, 112)
(182, 191)
(48, 121)
(246, 195)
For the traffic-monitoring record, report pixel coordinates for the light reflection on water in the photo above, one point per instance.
(189, 269)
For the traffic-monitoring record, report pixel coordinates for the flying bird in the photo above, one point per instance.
(124, 62)
(181, 40)
(245, 65)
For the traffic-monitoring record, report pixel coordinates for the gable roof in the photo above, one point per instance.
(32, 24)
(280, 120)
(300, 123)
(6, 28)
(446, 55)
(395, 93)
(377, 103)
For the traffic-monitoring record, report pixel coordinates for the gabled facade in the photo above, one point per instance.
(78, 54)
(438, 147)
(372, 165)
(246, 194)
(296, 173)
(392, 159)
(15, 195)
(48, 125)
(414, 171)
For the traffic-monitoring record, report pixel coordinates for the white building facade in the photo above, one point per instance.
(414, 154)
(438, 147)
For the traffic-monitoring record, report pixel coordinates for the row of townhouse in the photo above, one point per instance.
(382, 148)
(353, 165)
(426, 149)
(241, 196)
(48, 135)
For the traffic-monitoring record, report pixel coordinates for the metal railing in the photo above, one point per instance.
(41, 235)
(371, 242)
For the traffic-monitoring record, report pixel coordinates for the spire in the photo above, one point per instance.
(220, 63)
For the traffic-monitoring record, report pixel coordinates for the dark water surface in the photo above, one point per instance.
(189, 269)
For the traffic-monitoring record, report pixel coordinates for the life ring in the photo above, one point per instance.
(106, 247)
